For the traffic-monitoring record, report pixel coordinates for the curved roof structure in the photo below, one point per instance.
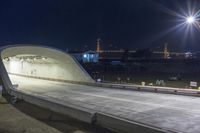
(39, 61)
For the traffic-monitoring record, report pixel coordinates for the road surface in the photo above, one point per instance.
(170, 112)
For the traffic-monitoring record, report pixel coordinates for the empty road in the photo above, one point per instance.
(170, 112)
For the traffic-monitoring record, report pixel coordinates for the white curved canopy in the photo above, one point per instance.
(40, 61)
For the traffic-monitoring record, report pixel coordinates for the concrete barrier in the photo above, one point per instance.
(124, 126)
(156, 89)
(79, 113)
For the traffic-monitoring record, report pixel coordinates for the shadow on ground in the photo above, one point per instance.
(60, 122)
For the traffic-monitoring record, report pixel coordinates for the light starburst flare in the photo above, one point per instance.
(190, 19)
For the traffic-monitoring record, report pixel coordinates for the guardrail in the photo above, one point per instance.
(156, 89)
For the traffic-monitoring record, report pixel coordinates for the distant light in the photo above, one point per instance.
(44, 58)
(190, 19)
(85, 55)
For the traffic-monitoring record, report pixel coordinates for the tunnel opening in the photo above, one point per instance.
(40, 62)
(35, 66)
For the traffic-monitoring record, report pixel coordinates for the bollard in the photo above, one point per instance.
(143, 83)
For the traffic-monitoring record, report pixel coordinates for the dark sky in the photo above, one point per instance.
(74, 23)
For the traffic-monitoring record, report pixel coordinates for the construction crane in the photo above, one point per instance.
(166, 52)
(98, 49)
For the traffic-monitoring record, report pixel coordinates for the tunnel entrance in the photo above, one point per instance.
(40, 62)
(35, 66)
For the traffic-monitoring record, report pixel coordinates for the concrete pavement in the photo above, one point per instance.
(170, 112)
(14, 121)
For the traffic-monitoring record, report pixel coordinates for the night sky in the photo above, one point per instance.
(72, 24)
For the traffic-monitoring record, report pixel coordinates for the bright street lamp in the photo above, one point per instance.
(190, 20)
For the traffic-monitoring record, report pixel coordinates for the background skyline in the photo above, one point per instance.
(74, 23)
